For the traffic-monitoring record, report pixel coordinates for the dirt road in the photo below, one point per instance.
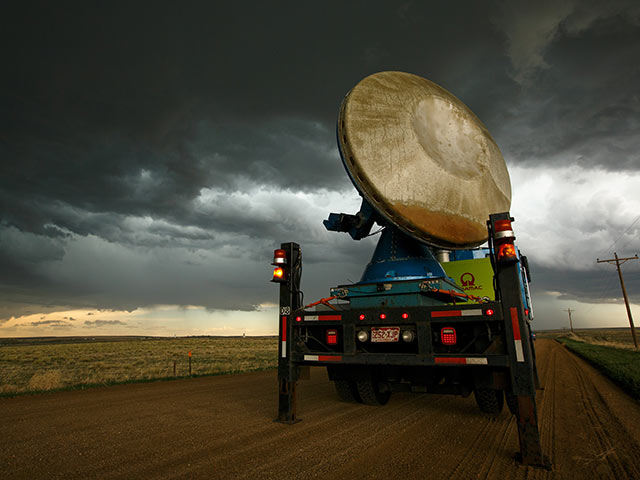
(221, 427)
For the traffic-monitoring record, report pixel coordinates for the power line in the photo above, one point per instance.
(619, 261)
(631, 240)
(621, 235)
(605, 288)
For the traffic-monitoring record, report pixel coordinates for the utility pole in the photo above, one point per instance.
(618, 262)
(570, 323)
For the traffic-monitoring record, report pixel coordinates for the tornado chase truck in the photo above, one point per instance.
(433, 311)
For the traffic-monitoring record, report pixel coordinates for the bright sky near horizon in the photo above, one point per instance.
(154, 155)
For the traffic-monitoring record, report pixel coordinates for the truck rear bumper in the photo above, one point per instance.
(401, 359)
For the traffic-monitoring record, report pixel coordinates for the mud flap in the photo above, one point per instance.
(528, 434)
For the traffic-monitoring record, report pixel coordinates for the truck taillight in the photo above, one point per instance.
(448, 336)
(489, 312)
(332, 337)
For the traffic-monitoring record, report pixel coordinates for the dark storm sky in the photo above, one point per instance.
(156, 152)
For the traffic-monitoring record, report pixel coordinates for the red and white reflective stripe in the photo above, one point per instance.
(457, 313)
(284, 337)
(463, 360)
(517, 339)
(322, 358)
(322, 318)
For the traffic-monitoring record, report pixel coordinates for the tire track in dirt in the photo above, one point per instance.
(399, 421)
(496, 436)
(546, 406)
(604, 425)
(222, 428)
(505, 443)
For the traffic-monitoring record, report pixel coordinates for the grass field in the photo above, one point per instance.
(621, 365)
(609, 337)
(40, 365)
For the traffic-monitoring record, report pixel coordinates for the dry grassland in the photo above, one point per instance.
(608, 337)
(42, 367)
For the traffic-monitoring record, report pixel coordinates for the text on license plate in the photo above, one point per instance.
(385, 334)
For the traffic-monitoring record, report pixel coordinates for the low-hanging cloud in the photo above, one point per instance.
(103, 323)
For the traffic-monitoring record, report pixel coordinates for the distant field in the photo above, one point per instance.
(610, 337)
(31, 365)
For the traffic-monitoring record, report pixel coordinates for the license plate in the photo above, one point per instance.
(385, 334)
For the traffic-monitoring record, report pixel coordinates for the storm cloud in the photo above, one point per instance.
(156, 154)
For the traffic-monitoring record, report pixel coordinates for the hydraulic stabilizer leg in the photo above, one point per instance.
(286, 401)
(288, 371)
(287, 375)
(522, 368)
(528, 433)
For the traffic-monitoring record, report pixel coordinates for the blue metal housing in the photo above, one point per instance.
(400, 257)
(403, 272)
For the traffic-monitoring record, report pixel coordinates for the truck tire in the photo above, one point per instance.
(347, 391)
(370, 394)
(512, 403)
(489, 400)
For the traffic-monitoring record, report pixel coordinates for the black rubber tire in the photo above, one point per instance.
(370, 394)
(489, 400)
(347, 391)
(512, 403)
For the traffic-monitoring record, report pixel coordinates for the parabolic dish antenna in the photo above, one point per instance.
(422, 159)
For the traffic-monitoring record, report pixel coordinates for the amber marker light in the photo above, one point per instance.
(278, 274)
(507, 251)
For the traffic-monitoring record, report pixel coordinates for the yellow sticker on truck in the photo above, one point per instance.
(475, 276)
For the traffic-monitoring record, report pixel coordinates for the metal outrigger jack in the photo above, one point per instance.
(522, 369)
(287, 272)
(287, 401)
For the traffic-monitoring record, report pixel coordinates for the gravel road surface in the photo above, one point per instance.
(222, 428)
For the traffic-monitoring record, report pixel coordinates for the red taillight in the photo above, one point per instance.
(279, 257)
(361, 317)
(405, 315)
(332, 337)
(489, 312)
(298, 319)
(383, 316)
(526, 312)
(507, 251)
(448, 336)
(278, 275)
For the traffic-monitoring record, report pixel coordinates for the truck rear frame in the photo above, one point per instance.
(495, 355)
